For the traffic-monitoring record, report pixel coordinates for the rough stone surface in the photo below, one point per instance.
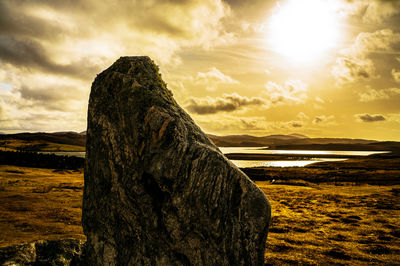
(44, 252)
(157, 191)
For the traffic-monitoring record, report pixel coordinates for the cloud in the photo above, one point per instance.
(355, 64)
(18, 19)
(33, 100)
(372, 94)
(250, 10)
(22, 114)
(396, 75)
(394, 117)
(4, 113)
(379, 11)
(370, 118)
(302, 116)
(25, 53)
(164, 25)
(81, 37)
(372, 11)
(215, 75)
(351, 69)
(318, 103)
(228, 124)
(296, 124)
(324, 120)
(378, 41)
(250, 124)
(226, 103)
(61, 98)
(50, 51)
(213, 78)
(293, 91)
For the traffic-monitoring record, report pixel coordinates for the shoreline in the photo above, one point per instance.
(286, 157)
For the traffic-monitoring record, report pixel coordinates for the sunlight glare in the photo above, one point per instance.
(303, 30)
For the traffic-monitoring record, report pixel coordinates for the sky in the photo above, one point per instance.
(322, 68)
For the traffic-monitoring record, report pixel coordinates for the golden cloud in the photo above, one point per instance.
(226, 103)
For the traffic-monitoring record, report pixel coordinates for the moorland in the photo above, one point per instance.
(345, 212)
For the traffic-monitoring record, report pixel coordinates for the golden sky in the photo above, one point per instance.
(323, 68)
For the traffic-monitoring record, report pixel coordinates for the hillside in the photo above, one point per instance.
(72, 141)
(301, 142)
(59, 141)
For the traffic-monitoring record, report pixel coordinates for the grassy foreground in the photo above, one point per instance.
(37, 203)
(328, 224)
(311, 224)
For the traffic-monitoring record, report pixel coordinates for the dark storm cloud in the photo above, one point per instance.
(50, 50)
(371, 118)
(33, 31)
(137, 14)
(22, 35)
(15, 23)
(24, 52)
(227, 103)
(27, 53)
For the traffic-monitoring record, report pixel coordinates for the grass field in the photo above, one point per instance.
(39, 204)
(311, 224)
(36, 145)
(328, 224)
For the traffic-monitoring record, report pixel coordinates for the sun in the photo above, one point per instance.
(304, 30)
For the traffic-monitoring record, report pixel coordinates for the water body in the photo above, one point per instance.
(293, 163)
(262, 150)
(80, 154)
(289, 163)
(266, 163)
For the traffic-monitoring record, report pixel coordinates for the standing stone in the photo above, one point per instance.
(157, 191)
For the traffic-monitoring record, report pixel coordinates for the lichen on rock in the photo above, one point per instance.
(44, 252)
(157, 190)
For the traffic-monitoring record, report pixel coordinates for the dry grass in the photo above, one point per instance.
(311, 224)
(37, 145)
(349, 225)
(39, 204)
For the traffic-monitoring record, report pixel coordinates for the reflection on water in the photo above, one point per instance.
(288, 163)
(264, 163)
(252, 163)
(261, 150)
(80, 154)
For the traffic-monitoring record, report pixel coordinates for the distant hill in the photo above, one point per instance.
(71, 138)
(300, 142)
(40, 141)
(252, 141)
(73, 141)
(300, 136)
